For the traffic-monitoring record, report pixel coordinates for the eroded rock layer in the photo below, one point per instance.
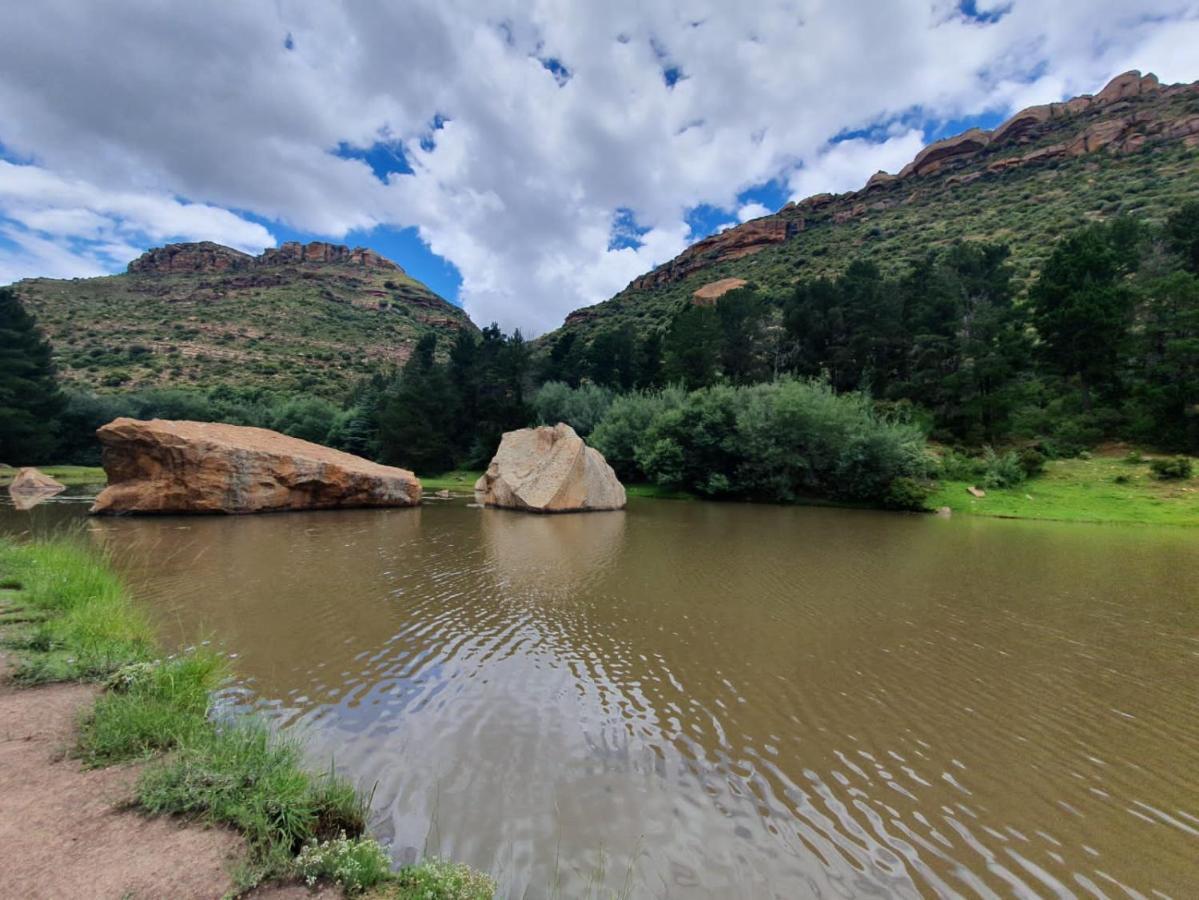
(164, 466)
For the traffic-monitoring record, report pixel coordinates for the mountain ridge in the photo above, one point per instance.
(298, 318)
(1134, 115)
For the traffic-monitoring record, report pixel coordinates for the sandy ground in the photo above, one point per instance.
(67, 832)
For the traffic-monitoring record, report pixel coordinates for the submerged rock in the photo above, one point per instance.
(162, 466)
(30, 487)
(549, 470)
(34, 481)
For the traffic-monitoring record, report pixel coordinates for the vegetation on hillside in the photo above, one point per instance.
(1026, 208)
(301, 330)
(1104, 344)
(68, 617)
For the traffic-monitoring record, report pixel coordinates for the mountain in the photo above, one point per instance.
(1132, 148)
(311, 318)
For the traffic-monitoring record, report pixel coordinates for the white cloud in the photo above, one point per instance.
(523, 184)
(64, 227)
(752, 211)
(845, 165)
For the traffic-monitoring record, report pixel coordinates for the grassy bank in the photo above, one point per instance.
(68, 475)
(1105, 488)
(458, 482)
(67, 617)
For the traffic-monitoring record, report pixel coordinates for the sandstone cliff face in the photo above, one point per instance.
(549, 470)
(1121, 126)
(162, 466)
(205, 256)
(733, 243)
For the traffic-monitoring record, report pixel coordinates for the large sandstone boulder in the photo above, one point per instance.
(549, 470)
(163, 466)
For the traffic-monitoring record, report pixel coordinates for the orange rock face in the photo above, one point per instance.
(162, 466)
(732, 243)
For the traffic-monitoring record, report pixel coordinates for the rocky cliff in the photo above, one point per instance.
(205, 256)
(1132, 147)
(298, 318)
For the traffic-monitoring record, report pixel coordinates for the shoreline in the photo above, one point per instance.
(118, 776)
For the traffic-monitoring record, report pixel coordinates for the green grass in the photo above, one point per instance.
(68, 475)
(461, 481)
(1083, 490)
(69, 617)
(243, 776)
(657, 492)
(80, 623)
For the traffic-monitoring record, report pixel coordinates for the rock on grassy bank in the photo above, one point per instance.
(66, 620)
(1113, 486)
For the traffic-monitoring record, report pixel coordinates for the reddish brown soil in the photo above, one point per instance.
(67, 831)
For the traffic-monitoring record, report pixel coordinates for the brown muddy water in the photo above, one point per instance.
(702, 700)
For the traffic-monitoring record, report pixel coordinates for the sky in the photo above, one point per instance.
(522, 157)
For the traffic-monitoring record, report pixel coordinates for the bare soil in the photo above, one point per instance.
(67, 831)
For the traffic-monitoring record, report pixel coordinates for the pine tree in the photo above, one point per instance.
(30, 402)
(1082, 308)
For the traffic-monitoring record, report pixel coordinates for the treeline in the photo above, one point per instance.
(1104, 344)
(783, 440)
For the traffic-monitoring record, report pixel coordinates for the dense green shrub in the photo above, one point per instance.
(1172, 468)
(1001, 470)
(581, 408)
(780, 441)
(624, 426)
(1032, 461)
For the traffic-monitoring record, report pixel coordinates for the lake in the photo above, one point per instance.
(717, 700)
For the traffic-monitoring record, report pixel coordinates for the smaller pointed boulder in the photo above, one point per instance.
(549, 469)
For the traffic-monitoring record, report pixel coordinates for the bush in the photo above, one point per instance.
(1001, 470)
(779, 441)
(957, 466)
(1032, 461)
(581, 408)
(624, 427)
(1172, 468)
(908, 494)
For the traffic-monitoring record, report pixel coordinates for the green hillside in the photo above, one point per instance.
(1132, 149)
(310, 319)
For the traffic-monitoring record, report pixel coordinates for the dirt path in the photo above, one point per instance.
(66, 831)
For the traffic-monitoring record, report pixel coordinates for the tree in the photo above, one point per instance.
(966, 339)
(692, 347)
(417, 416)
(1082, 308)
(30, 401)
(742, 314)
(612, 358)
(1165, 408)
(1182, 234)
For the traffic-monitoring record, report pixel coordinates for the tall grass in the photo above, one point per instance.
(81, 622)
(71, 618)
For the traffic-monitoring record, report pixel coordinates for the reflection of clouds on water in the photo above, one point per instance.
(747, 701)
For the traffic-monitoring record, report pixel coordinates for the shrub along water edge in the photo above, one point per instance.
(69, 617)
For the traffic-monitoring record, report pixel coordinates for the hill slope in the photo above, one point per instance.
(307, 318)
(1133, 148)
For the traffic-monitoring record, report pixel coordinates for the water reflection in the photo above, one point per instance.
(723, 700)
